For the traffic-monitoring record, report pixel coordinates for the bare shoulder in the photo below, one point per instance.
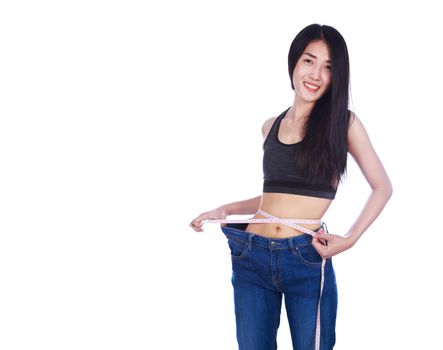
(352, 118)
(355, 124)
(267, 125)
(358, 139)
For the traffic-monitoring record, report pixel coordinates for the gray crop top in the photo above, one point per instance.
(279, 171)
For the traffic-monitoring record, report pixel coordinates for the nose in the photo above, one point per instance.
(315, 73)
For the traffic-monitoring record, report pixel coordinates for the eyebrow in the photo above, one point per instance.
(311, 55)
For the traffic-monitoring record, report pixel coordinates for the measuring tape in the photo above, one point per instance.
(294, 223)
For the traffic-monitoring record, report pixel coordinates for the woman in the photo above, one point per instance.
(305, 153)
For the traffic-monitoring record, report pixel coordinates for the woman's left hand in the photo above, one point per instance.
(328, 245)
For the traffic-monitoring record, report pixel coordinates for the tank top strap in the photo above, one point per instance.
(271, 137)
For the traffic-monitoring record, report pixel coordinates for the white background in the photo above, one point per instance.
(121, 121)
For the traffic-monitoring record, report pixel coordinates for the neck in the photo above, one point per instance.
(300, 109)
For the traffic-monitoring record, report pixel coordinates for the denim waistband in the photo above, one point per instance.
(238, 230)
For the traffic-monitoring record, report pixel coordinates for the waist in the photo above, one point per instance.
(274, 243)
(268, 218)
(278, 230)
(281, 227)
(286, 205)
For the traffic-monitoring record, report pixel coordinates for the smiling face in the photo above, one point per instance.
(312, 74)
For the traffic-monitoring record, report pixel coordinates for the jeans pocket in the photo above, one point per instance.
(238, 247)
(308, 255)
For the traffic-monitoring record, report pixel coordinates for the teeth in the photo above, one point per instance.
(312, 86)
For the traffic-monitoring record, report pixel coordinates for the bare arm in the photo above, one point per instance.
(364, 154)
(361, 149)
(247, 206)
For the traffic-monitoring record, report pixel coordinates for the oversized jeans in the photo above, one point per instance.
(263, 269)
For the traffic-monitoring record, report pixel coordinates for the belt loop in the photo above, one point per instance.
(251, 235)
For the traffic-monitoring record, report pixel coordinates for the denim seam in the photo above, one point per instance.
(238, 241)
(275, 277)
(305, 262)
(244, 246)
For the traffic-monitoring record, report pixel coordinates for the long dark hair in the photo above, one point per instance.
(322, 154)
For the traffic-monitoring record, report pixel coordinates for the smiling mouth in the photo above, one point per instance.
(310, 87)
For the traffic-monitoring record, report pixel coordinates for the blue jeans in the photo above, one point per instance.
(263, 269)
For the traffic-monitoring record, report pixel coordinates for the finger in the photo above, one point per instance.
(196, 229)
(320, 242)
(324, 236)
(321, 249)
(318, 245)
(198, 221)
(315, 243)
(318, 232)
(194, 224)
(197, 226)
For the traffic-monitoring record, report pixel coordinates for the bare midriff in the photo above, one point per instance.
(288, 206)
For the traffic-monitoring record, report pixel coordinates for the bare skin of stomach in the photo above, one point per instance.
(288, 206)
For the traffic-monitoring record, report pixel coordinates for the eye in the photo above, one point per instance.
(307, 59)
(328, 67)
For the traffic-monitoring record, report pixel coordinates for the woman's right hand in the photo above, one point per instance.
(218, 213)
